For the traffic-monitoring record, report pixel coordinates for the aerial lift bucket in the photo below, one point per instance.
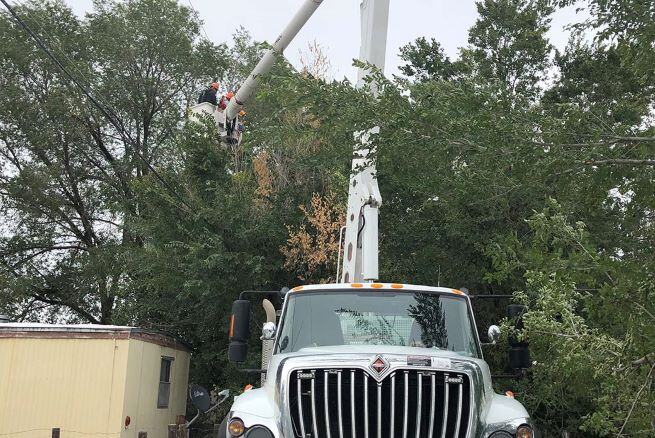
(198, 112)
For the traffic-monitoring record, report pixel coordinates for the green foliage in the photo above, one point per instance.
(69, 175)
(426, 60)
(589, 325)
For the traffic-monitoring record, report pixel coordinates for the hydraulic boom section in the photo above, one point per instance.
(228, 120)
(360, 258)
(281, 43)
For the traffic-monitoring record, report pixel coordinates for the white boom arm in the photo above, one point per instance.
(264, 66)
(360, 261)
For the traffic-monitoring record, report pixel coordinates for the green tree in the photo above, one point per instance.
(426, 60)
(590, 326)
(68, 174)
(508, 43)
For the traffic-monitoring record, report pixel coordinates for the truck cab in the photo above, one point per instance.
(371, 360)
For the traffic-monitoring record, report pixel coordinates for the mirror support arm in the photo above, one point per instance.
(225, 393)
(519, 374)
(253, 370)
(189, 423)
(242, 294)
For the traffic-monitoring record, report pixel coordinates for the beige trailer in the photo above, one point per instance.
(74, 381)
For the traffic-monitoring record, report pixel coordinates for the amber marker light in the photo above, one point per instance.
(458, 292)
(297, 288)
(357, 285)
(396, 286)
(236, 427)
(377, 285)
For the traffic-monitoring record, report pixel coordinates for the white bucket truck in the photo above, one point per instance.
(362, 359)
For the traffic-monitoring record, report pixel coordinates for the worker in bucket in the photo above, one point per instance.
(240, 126)
(209, 95)
(225, 99)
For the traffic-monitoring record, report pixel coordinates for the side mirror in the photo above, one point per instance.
(519, 357)
(519, 351)
(493, 334)
(239, 331)
(268, 331)
(515, 313)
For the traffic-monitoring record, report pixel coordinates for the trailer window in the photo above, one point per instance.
(163, 395)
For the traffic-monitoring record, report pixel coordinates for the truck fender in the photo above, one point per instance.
(255, 407)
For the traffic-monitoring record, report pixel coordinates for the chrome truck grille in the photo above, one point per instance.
(349, 403)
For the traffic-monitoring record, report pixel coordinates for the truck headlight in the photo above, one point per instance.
(236, 427)
(259, 432)
(524, 431)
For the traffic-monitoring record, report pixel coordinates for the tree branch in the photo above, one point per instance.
(620, 162)
(647, 359)
(74, 307)
(634, 402)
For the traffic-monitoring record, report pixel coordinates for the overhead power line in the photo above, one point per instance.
(201, 25)
(53, 41)
(106, 111)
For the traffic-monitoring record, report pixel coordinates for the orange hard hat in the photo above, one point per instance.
(229, 95)
(215, 85)
(242, 113)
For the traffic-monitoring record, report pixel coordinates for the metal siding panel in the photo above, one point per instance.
(147, 358)
(62, 382)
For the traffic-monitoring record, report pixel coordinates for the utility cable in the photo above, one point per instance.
(107, 112)
(201, 25)
(61, 66)
(53, 41)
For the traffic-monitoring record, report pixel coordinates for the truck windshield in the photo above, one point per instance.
(429, 320)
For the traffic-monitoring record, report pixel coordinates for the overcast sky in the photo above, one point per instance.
(335, 26)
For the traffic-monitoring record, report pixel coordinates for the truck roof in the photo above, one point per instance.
(378, 286)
